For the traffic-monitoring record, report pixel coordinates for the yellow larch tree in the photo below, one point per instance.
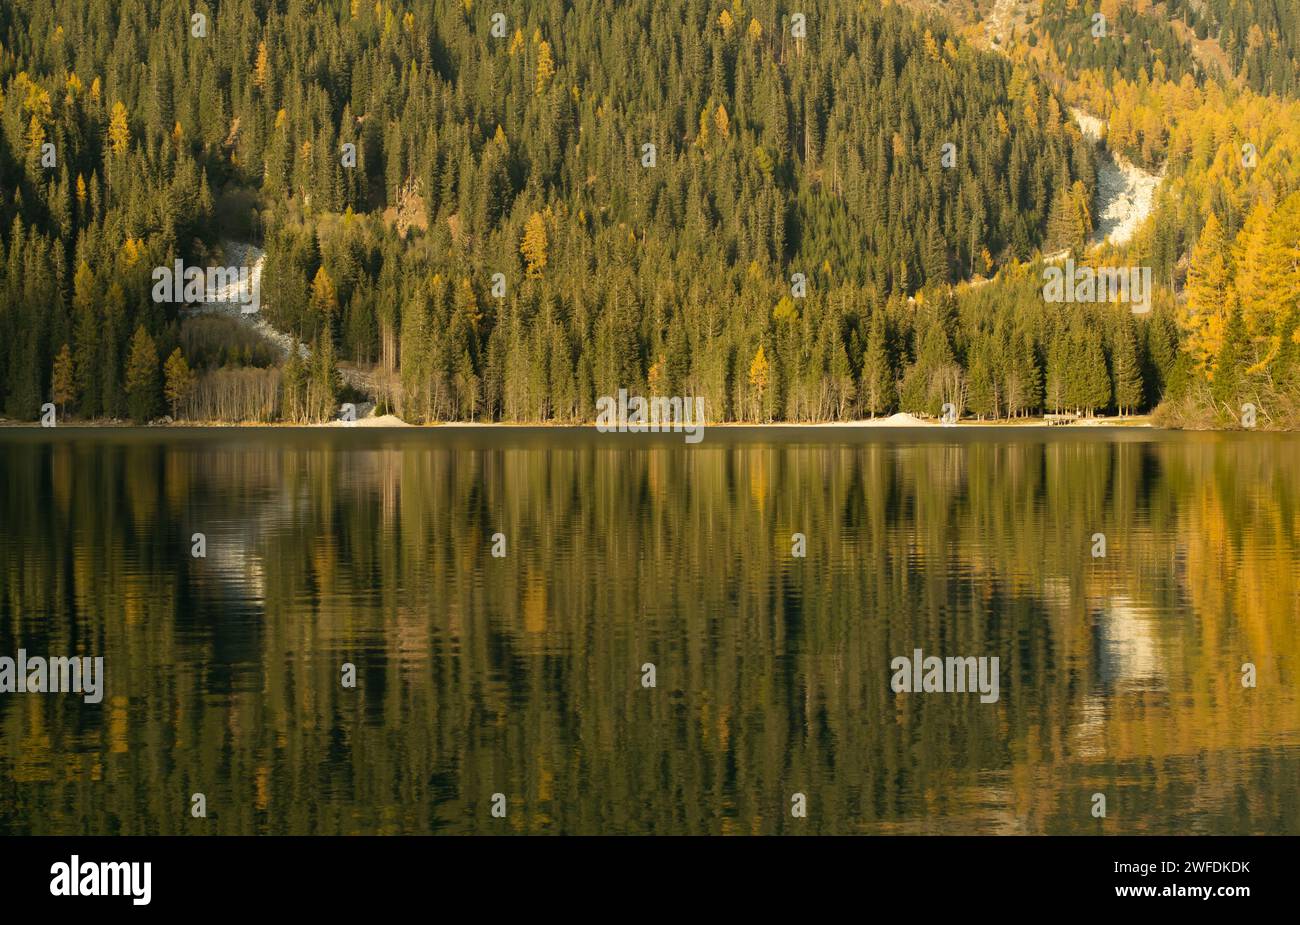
(534, 244)
(262, 69)
(759, 374)
(1203, 314)
(324, 295)
(545, 66)
(119, 132)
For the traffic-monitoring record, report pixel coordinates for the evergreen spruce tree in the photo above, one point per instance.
(142, 386)
(179, 381)
(62, 386)
(1229, 377)
(1126, 374)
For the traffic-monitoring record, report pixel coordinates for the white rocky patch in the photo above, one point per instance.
(230, 302)
(1125, 192)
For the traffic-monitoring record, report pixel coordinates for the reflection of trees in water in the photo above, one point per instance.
(521, 675)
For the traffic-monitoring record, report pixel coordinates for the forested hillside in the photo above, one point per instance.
(1261, 38)
(693, 197)
(1205, 94)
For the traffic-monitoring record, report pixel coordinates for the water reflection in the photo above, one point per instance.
(522, 675)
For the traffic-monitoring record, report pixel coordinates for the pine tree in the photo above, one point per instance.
(293, 386)
(1228, 375)
(841, 371)
(119, 132)
(323, 383)
(324, 299)
(1022, 379)
(1125, 371)
(981, 399)
(1080, 215)
(1280, 276)
(179, 381)
(937, 268)
(86, 337)
(142, 376)
(262, 68)
(534, 245)
(878, 385)
(1208, 278)
(1060, 228)
(1057, 385)
(759, 377)
(62, 386)
(1252, 254)
(113, 327)
(545, 67)
(1088, 379)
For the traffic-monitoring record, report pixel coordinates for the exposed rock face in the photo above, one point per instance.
(1125, 192)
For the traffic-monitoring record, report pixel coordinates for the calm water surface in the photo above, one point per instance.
(522, 675)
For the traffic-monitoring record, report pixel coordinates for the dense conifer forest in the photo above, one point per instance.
(500, 211)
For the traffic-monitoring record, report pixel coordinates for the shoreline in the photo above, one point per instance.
(391, 422)
(900, 420)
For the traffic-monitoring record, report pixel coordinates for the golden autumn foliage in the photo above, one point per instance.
(119, 133)
(545, 66)
(534, 244)
(262, 69)
(324, 295)
(1204, 312)
(759, 370)
(721, 121)
(1258, 275)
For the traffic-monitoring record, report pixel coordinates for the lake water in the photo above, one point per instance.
(524, 675)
